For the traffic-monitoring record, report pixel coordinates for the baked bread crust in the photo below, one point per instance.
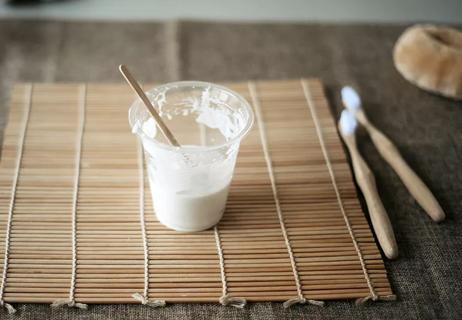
(431, 57)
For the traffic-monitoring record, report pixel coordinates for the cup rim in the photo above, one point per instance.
(198, 148)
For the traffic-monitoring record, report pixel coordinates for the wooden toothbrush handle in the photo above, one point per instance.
(411, 180)
(379, 217)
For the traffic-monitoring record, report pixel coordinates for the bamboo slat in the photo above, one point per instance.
(183, 267)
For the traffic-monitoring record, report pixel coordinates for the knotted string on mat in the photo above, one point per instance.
(361, 301)
(225, 299)
(146, 302)
(70, 302)
(298, 300)
(25, 122)
(373, 295)
(8, 307)
(143, 298)
(261, 126)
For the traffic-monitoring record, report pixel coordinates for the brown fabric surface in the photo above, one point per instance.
(427, 129)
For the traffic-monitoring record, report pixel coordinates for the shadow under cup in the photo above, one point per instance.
(189, 184)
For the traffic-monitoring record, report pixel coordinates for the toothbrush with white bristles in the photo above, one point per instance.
(390, 153)
(366, 181)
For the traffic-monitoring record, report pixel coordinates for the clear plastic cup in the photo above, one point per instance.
(189, 184)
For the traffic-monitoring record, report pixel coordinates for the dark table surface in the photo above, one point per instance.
(427, 277)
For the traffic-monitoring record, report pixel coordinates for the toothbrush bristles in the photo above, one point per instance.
(350, 98)
(348, 122)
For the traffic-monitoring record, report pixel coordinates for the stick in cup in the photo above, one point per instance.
(189, 184)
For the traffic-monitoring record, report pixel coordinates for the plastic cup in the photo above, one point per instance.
(189, 184)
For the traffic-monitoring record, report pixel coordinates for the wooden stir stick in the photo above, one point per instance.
(136, 87)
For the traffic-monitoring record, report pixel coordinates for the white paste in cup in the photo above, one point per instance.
(189, 185)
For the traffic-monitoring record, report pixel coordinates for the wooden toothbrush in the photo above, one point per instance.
(390, 153)
(366, 181)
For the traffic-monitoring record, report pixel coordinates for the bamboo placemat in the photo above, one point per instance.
(71, 217)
